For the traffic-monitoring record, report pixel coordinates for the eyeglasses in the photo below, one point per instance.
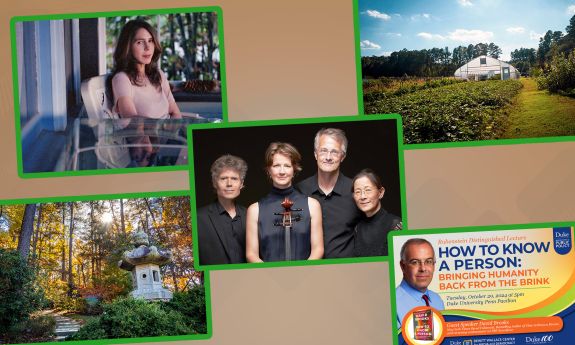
(424, 263)
(333, 153)
(368, 192)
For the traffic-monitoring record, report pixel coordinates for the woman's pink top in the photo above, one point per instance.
(149, 101)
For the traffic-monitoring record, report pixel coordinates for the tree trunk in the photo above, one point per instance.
(63, 261)
(212, 20)
(35, 237)
(122, 219)
(82, 269)
(40, 248)
(192, 30)
(114, 218)
(70, 248)
(26, 231)
(188, 70)
(174, 277)
(172, 70)
(154, 223)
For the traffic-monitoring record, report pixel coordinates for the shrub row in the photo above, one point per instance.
(374, 88)
(457, 112)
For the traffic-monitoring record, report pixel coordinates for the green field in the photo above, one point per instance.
(456, 112)
(468, 111)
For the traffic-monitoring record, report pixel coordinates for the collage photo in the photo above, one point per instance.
(358, 171)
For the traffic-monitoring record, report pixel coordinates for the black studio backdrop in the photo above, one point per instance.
(371, 144)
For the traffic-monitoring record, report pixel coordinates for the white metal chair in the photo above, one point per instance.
(113, 154)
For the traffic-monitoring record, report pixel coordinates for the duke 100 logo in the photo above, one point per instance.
(546, 339)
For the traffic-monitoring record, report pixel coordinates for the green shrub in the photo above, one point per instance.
(535, 72)
(386, 81)
(36, 329)
(92, 329)
(559, 75)
(133, 318)
(41, 327)
(62, 301)
(20, 296)
(191, 304)
(568, 92)
(541, 82)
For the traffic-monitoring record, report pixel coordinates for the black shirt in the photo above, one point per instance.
(371, 233)
(235, 226)
(339, 215)
(221, 238)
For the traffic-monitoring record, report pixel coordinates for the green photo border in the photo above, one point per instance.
(438, 231)
(302, 121)
(207, 286)
(16, 92)
(359, 75)
(425, 146)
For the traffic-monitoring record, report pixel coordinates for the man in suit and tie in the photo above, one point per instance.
(417, 262)
(222, 224)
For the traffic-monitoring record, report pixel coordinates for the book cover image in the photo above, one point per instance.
(423, 324)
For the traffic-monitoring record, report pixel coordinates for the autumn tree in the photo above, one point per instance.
(26, 231)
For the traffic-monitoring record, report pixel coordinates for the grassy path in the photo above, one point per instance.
(538, 113)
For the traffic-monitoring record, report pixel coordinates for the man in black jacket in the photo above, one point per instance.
(222, 224)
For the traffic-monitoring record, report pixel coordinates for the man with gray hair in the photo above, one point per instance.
(333, 191)
(222, 224)
(417, 264)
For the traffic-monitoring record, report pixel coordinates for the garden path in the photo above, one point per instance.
(537, 113)
(65, 326)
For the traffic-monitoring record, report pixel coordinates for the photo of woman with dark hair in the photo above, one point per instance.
(121, 88)
(138, 87)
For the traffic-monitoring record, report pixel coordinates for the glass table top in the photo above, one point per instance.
(132, 142)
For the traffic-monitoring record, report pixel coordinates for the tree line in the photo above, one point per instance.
(552, 45)
(434, 62)
(441, 62)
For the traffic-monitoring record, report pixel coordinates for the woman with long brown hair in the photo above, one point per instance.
(138, 87)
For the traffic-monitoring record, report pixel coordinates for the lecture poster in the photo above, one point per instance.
(501, 287)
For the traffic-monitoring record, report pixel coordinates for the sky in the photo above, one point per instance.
(391, 25)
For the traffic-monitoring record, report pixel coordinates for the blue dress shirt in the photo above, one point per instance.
(407, 298)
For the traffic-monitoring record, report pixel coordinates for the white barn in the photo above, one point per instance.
(484, 67)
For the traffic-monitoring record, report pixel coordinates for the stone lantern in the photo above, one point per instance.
(144, 263)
